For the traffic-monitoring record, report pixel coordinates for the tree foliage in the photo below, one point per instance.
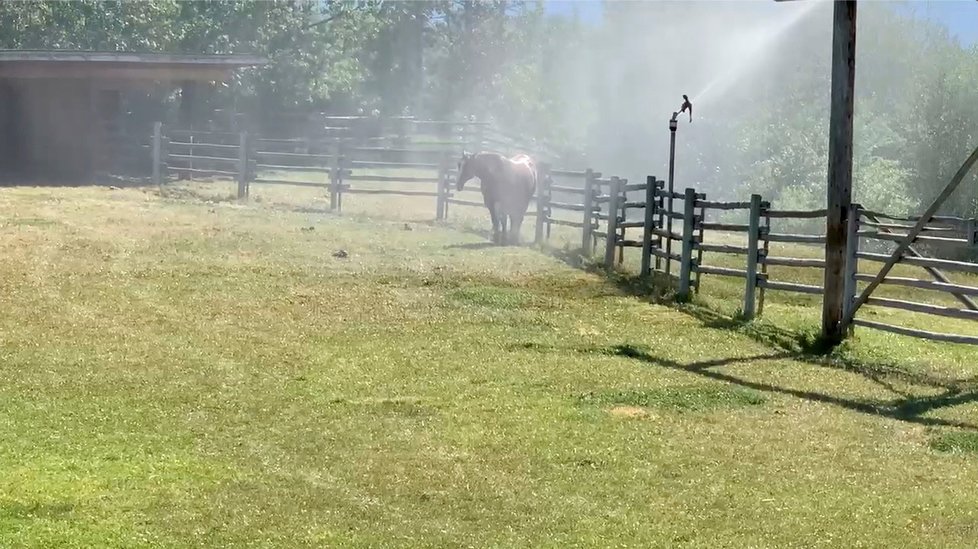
(602, 87)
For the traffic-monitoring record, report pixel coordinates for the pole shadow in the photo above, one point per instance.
(907, 408)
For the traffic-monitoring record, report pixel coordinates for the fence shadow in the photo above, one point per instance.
(803, 346)
(472, 246)
(13, 180)
(657, 288)
(907, 408)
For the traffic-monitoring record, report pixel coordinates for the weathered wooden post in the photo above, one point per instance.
(611, 237)
(401, 132)
(660, 221)
(242, 165)
(623, 210)
(686, 260)
(648, 225)
(341, 162)
(543, 200)
(334, 175)
(852, 260)
(753, 239)
(157, 152)
(443, 179)
(586, 230)
(765, 250)
(839, 200)
(701, 236)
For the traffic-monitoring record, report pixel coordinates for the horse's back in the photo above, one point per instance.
(526, 168)
(514, 181)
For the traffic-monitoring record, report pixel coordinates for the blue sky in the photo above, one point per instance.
(959, 16)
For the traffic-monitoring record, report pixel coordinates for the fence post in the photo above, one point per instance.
(765, 230)
(157, 152)
(700, 236)
(588, 212)
(611, 236)
(647, 225)
(686, 261)
(341, 163)
(543, 200)
(242, 165)
(442, 188)
(550, 197)
(334, 174)
(753, 238)
(852, 262)
(400, 137)
(622, 200)
(659, 208)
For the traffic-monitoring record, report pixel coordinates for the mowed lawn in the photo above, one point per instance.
(178, 372)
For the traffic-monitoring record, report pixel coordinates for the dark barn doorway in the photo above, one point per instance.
(62, 114)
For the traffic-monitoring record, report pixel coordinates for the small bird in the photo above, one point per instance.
(341, 254)
(687, 105)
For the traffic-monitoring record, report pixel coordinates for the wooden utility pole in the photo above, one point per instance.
(839, 203)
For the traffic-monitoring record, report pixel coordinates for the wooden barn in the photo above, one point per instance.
(61, 112)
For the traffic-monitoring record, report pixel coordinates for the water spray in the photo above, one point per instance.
(673, 124)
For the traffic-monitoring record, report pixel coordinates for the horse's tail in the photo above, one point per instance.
(534, 174)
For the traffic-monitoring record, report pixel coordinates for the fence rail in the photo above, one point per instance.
(673, 230)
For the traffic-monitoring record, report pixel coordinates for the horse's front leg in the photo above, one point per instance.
(494, 216)
(500, 235)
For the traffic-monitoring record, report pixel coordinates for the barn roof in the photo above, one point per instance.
(121, 65)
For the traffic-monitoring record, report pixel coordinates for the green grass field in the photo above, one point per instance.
(181, 370)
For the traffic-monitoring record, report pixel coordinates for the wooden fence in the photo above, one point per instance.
(691, 213)
(339, 164)
(607, 210)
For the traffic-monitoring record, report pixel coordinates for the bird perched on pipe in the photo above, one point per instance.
(687, 105)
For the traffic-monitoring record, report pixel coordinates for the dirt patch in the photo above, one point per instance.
(629, 412)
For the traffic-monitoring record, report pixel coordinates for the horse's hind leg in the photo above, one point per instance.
(516, 223)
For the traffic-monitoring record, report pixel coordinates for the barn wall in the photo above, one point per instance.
(48, 129)
(7, 141)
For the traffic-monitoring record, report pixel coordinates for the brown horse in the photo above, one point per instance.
(507, 185)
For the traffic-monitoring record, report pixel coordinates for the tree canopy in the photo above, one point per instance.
(604, 88)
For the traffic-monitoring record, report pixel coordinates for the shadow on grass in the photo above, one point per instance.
(657, 288)
(104, 180)
(10, 509)
(908, 409)
(805, 346)
(472, 246)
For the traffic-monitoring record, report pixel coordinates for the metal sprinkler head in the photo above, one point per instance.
(687, 105)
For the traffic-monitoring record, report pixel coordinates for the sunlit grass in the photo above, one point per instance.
(183, 370)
